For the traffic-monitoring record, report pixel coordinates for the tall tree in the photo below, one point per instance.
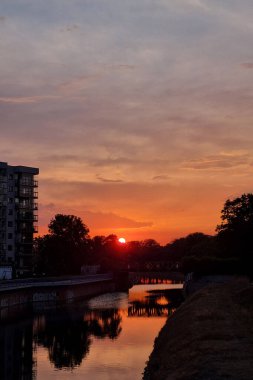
(236, 229)
(65, 249)
(69, 227)
(237, 215)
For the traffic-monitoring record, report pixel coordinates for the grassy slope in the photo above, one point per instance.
(209, 337)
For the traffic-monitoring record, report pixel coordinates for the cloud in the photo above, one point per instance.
(48, 206)
(71, 28)
(61, 158)
(221, 161)
(79, 84)
(123, 67)
(247, 65)
(112, 221)
(27, 99)
(94, 220)
(102, 179)
(160, 178)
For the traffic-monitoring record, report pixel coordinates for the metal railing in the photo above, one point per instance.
(28, 193)
(27, 217)
(30, 183)
(28, 206)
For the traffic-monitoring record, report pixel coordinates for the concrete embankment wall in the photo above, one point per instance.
(65, 293)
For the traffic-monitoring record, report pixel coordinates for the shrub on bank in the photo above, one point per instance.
(213, 265)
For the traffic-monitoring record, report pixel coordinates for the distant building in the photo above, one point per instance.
(18, 216)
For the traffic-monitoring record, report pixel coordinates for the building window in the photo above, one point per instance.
(10, 200)
(10, 235)
(10, 212)
(10, 247)
(10, 224)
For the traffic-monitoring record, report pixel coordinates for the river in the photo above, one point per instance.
(108, 337)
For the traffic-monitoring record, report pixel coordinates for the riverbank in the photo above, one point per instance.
(210, 337)
(54, 290)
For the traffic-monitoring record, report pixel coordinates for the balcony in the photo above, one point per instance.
(27, 216)
(27, 206)
(25, 193)
(29, 183)
(28, 194)
(27, 228)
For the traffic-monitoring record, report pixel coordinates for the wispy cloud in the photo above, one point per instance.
(95, 220)
(247, 65)
(113, 221)
(27, 99)
(160, 178)
(102, 179)
(221, 161)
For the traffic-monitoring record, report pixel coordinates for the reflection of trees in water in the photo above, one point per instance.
(106, 324)
(151, 305)
(68, 340)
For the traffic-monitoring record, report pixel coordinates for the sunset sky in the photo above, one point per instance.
(139, 114)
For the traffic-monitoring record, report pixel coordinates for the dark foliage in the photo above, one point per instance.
(235, 233)
(68, 339)
(65, 249)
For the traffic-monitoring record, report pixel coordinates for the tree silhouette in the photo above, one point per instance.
(67, 341)
(65, 249)
(235, 232)
(69, 227)
(237, 215)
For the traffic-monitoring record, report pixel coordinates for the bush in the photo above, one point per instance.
(213, 265)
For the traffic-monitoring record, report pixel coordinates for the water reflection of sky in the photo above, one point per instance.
(124, 356)
(108, 337)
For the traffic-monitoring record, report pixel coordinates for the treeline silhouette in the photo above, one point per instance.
(68, 246)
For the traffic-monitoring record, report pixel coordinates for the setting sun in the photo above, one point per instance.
(122, 240)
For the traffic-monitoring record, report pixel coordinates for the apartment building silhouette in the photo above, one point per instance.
(18, 216)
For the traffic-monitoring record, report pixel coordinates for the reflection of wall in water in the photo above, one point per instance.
(16, 352)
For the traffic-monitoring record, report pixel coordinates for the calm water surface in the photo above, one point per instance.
(108, 337)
